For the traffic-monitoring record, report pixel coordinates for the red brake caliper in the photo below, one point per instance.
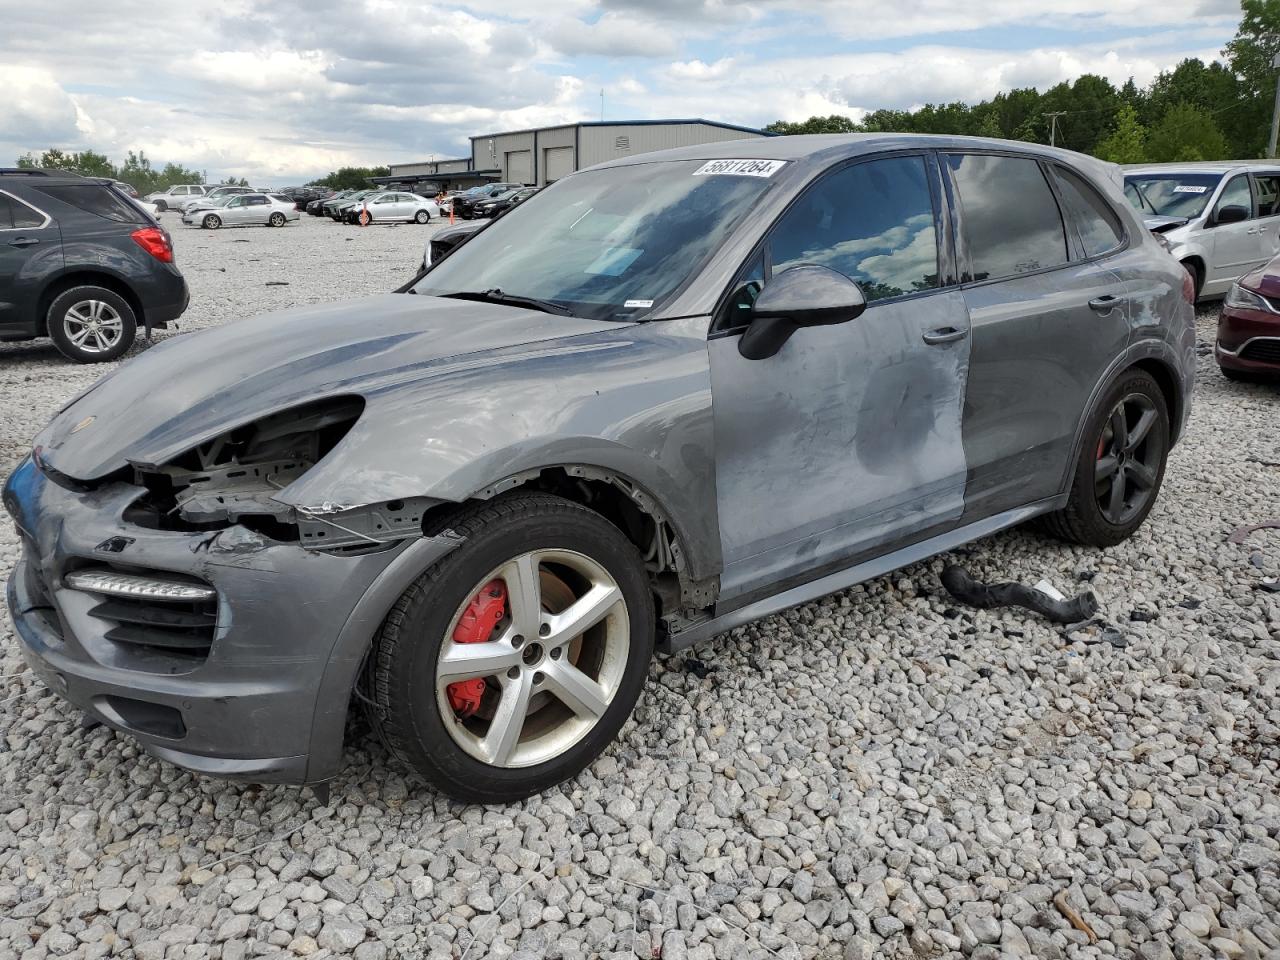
(476, 625)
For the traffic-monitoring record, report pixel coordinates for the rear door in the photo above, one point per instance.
(30, 248)
(1237, 247)
(848, 440)
(1047, 320)
(1266, 192)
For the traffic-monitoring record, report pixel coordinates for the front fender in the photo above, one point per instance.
(636, 404)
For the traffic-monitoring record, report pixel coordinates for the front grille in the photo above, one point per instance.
(175, 625)
(1262, 351)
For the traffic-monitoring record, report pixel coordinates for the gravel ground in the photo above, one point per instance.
(878, 774)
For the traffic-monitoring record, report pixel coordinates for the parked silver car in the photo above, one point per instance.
(394, 206)
(1221, 220)
(176, 195)
(663, 397)
(214, 193)
(243, 210)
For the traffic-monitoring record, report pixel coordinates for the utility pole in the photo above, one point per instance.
(1275, 111)
(1053, 125)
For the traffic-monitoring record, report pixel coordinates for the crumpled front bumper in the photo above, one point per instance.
(268, 702)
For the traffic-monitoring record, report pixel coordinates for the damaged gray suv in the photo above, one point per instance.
(663, 397)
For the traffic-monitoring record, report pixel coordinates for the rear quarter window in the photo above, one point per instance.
(1098, 225)
(94, 199)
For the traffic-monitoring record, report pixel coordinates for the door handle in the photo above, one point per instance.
(944, 335)
(1104, 304)
(24, 242)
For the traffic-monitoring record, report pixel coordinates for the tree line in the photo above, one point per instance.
(1196, 111)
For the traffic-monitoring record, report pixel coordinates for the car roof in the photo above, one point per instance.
(16, 175)
(1212, 166)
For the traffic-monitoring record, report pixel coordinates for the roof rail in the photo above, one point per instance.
(36, 172)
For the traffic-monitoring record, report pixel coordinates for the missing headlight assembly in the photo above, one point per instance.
(234, 477)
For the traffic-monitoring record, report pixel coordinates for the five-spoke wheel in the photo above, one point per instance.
(90, 324)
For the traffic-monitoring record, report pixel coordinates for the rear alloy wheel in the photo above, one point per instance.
(513, 662)
(91, 324)
(276, 220)
(1120, 467)
(212, 221)
(422, 217)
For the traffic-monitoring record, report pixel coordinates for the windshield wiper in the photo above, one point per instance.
(510, 299)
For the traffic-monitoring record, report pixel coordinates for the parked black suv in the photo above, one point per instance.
(464, 203)
(82, 265)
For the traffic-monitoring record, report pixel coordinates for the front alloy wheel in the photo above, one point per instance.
(514, 661)
(1128, 463)
(212, 221)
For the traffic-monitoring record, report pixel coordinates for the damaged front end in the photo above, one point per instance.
(232, 481)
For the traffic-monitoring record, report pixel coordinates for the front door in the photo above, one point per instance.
(849, 438)
(1237, 247)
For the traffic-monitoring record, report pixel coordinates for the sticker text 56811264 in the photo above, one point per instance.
(740, 168)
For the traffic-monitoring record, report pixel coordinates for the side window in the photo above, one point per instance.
(1267, 188)
(1235, 194)
(6, 216)
(873, 222)
(94, 199)
(24, 217)
(750, 283)
(1098, 225)
(1011, 222)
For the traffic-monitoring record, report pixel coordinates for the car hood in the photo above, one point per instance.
(1264, 280)
(1161, 224)
(191, 388)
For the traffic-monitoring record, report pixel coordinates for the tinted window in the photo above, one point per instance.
(24, 217)
(1096, 222)
(1235, 194)
(1011, 222)
(1267, 186)
(280, 199)
(6, 217)
(872, 221)
(95, 199)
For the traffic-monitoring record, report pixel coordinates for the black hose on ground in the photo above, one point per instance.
(987, 595)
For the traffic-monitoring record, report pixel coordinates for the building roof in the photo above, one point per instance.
(630, 123)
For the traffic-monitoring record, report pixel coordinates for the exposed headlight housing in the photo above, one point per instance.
(1242, 299)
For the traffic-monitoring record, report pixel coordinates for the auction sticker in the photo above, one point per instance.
(1187, 188)
(740, 168)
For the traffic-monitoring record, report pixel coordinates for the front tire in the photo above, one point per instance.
(1197, 279)
(557, 673)
(161, 206)
(276, 220)
(91, 324)
(422, 217)
(1120, 465)
(212, 222)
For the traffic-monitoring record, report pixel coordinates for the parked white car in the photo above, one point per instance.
(213, 193)
(176, 195)
(396, 206)
(248, 209)
(1221, 220)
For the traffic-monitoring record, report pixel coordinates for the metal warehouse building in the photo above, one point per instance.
(541, 156)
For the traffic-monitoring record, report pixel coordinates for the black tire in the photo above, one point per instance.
(211, 221)
(422, 217)
(63, 330)
(161, 206)
(404, 709)
(1197, 279)
(1082, 520)
(276, 220)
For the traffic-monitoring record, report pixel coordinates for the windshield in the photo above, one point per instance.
(609, 244)
(1170, 194)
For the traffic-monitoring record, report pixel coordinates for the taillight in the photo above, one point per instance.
(156, 242)
(1188, 287)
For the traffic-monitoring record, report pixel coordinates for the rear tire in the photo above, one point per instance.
(553, 741)
(1096, 514)
(211, 221)
(422, 217)
(276, 220)
(161, 206)
(91, 324)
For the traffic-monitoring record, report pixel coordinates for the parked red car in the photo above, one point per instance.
(1249, 328)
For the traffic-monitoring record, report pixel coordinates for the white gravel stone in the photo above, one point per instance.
(876, 773)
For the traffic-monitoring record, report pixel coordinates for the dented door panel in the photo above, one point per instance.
(848, 439)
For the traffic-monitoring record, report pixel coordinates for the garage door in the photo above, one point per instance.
(519, 167)
(558, 162)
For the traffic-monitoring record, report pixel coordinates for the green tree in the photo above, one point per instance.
(1250, 56)
(27, 161)
(1184, 134)
(352, 178)
(832, 124)
(1127, 142)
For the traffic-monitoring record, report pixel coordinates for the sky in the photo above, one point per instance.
(281, 91)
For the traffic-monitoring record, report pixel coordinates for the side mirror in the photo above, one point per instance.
(1233, 213)
(804, 296)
